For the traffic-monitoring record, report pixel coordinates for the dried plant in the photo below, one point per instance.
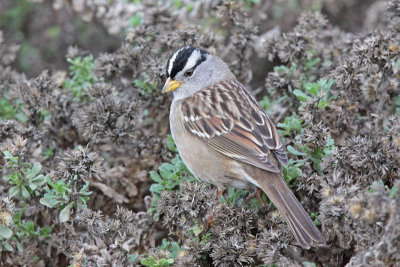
(80, 143)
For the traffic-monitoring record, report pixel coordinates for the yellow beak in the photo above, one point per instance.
(170, 85)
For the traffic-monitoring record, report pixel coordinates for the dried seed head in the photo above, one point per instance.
(355, 210)
(80, 162)
(6, 211)
(369, 215)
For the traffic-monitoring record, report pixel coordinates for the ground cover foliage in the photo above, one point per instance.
(90, 177)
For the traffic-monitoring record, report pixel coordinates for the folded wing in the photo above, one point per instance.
(229, 119)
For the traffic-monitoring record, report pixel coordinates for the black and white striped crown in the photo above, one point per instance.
(185, 58)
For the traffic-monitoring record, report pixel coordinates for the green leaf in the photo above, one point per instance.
(312, 88)
(25, 193)
(175, 248)
(81, 76)
(64, 214)
(234, 195)
(156, 216)
(10, 157)
(49, 202)
(295, 151)
(156, 188)
(171, 144)
(48, 152)
(32, 186)
(329, 147)
(323, 103)
(265, 103)
(300, 95)
(148, 262)
(334, 96)
(188, 7)
(133, 257)
(166, 262)
(291, 172)
(34, 171)
(196, 230)
(393, 192)
(7, 110)
(145, 262)
(330, 141)
(5, 232)
(13, 191)
(7, 154)
(156, 177)
(8, 247)
(19, 247)
(18, 214)
(281, 68)
(135, 20)
(167, 170)
(311, 62)
(165, 244)
(177, 3)
(45, 231)
(291, 124)
(29, 227)
(317, 222)
(326, 84)
(38, 181)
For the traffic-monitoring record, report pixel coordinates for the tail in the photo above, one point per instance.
(303, 228)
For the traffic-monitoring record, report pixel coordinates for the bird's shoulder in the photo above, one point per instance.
(226, 99)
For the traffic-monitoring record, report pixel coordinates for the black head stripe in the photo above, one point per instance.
(181, 58)
(166, 68)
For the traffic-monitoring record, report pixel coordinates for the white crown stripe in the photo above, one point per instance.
(171, 62)
(192, 60)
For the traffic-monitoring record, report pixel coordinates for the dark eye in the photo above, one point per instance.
(189, 72)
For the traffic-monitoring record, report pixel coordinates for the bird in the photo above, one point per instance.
(226, 139)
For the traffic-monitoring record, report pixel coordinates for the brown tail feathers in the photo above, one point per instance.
(299, 221)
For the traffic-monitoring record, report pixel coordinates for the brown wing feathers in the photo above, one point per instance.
(240, 130)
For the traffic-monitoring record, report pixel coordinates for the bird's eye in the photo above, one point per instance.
(189, 72)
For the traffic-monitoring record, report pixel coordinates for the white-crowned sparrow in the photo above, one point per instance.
(225, 138)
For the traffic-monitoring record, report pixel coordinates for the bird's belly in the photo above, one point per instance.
(204, 162)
